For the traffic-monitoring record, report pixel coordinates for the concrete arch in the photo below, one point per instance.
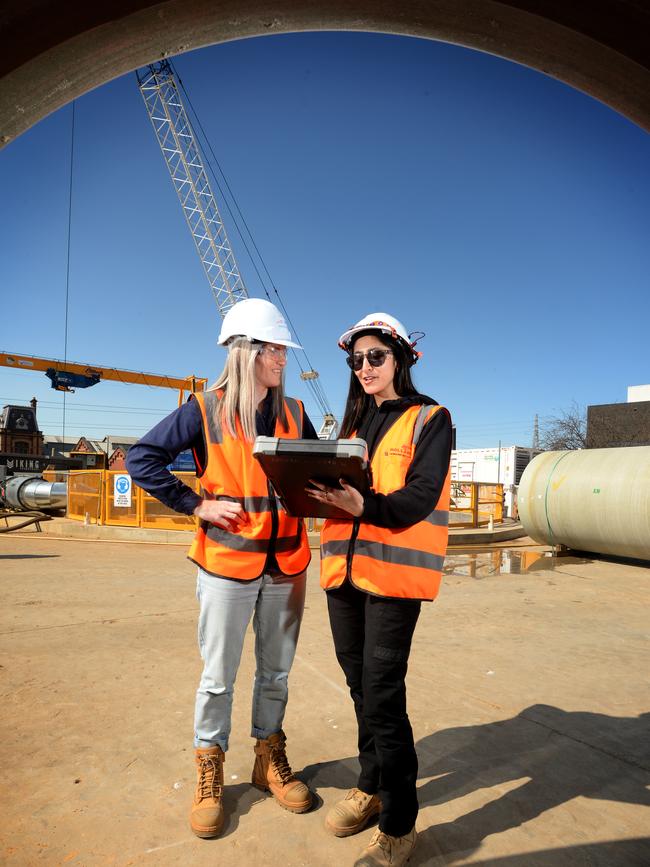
(52, 51)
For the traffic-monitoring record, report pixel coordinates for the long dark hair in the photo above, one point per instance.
(358, 402)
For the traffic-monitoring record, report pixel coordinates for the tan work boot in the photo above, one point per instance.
(353, 813)
(206, 815)
(387, 851)
(272, 773)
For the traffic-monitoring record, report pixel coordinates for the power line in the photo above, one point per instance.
(86, 406)
(50, 409)
(67, 275)
(313, 384)
(83, 427)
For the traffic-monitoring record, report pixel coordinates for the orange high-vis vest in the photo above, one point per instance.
(232, 473)
(401, 563)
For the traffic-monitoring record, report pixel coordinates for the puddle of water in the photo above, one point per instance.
(505, 561)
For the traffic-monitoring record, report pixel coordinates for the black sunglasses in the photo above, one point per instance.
(376, 358)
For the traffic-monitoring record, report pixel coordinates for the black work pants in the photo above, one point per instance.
(372, 639)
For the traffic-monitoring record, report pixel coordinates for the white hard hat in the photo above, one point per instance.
(256, 319)
(385, 324)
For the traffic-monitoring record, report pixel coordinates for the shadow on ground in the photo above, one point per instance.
(561, 755)
(614, 853)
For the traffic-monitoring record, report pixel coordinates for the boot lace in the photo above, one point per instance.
(210, 778)
(380, 839)
(360, 797)
(280, 763)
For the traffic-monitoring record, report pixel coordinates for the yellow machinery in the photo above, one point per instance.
(65, 374)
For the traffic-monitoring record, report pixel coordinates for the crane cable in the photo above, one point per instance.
(67, 274)
(313, 384)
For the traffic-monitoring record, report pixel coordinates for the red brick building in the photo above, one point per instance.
(19, 433)
(108, 453)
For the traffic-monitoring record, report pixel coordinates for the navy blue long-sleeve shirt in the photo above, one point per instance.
(148, 459)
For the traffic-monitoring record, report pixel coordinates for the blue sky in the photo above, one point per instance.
(501, 212)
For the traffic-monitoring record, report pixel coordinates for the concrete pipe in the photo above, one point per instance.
(591, 500)
(28, 492)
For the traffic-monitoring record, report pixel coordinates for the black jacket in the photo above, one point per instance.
(428, 470)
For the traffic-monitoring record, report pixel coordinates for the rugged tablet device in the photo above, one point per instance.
(290, 464)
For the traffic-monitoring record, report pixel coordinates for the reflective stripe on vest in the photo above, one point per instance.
(237, 542)
(233, 474)
(252, 504)
(386, 553)
(401, 563)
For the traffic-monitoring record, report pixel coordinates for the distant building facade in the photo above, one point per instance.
(57, 447)
(19, 433)
(109, 453)
(615, 425)
(21, 439)
(638, 393)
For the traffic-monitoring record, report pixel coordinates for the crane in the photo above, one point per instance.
(182, 154)
(65, 374)
(183, 158)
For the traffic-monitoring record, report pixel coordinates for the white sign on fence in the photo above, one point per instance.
(122, 490)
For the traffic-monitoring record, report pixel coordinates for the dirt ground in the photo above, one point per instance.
(528, 695)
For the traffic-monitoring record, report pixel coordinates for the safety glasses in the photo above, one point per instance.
(274, 351)
(375, 356)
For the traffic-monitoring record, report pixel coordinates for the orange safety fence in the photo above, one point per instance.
(85, 496)
(92, 498)
(156, 516)
(474, 503)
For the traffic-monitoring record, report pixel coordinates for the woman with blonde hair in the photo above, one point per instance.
(251, 555)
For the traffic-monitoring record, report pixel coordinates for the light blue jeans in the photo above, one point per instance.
(276, 604)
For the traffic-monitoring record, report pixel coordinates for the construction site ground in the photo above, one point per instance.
(528, 695)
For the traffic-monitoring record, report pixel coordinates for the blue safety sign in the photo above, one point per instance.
(122, 490)
(122, 484)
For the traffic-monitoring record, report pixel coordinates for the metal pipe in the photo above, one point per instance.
(28, 492)
(590, 500)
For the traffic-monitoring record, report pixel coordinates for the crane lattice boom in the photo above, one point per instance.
(183, 158)
(160, 92)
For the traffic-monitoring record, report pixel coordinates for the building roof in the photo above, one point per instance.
(118, 440)
(6, 413)
(114, 440)
(86, 445)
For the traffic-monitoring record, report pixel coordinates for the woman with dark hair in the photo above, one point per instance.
(378, 567)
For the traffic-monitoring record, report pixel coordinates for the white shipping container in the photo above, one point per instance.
(493, 466)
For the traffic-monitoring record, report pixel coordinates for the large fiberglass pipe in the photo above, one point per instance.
(590, 500)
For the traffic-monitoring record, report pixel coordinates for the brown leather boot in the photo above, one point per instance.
(272, 773)
(353, 813)
(206, 815)
(387, 851)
